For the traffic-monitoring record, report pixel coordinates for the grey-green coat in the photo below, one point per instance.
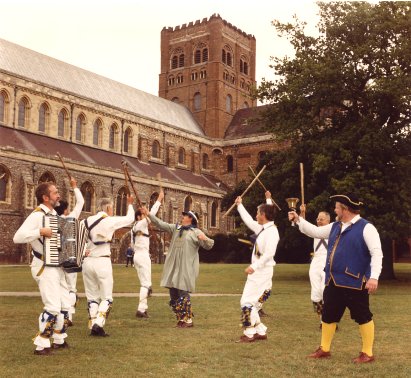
(182, 262)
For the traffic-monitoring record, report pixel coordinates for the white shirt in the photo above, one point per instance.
(142, 242)
(29, 231)
(322, 250)
(79, 205)
(267, 240)
(103, 232)
(370, 234)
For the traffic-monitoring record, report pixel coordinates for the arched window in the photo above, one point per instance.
(5, 184)
(245, 105)
(3, 102)
(229, 59)
(201, 53)
(197, 101)
(181, 156)
(205, 161)
(175, 99)
(80, 128)
(180, 79)
(177, 58)
(62, 122)
(128, 140)
(121, 202)
(171, 80)
(243, 65)
(87, 191)
(47, 177)
(261, 155)
(23, 112)
(205, 55)
(181, 60)
(228, 104)
(188, 201)
(227, 56)
(43, 113)
(230, 163)
(155, 150)
(97, 132)
(214, 214)
(112, 142)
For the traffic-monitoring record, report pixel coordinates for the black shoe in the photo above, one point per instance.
(150, 292)
(140, 314)
(44, 352)
(60, 346)
(96, 330)
(69, 323)
(262, 314)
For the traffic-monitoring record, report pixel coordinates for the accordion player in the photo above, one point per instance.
(67, 245)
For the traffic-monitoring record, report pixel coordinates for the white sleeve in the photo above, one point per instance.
(118, 222)
(155, 208)
(30, 229)
(307, 228)
(372, 239)
(248, 220)
(79, 204)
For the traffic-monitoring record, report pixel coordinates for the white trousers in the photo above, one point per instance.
(71, 279)
(317, 277)
(54, 295)
(142, 263)
(98, 285)
(254, 288)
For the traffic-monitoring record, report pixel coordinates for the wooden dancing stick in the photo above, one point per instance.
(245, 191)
(302, 183)
(127, 174)
(64, 166)
(262, 185)
(125, 178)
(259, 181)
(158, 177)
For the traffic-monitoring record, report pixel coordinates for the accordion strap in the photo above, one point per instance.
(89, 228)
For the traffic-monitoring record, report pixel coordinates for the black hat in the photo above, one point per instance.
(192, 215)
(350, 200)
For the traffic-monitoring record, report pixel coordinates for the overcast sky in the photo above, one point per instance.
(120, 39)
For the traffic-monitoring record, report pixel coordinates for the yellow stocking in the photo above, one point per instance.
(367, 335)
(327, 334)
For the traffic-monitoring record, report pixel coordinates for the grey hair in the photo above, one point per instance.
(104, 204)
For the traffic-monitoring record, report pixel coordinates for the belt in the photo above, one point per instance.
(97, 256)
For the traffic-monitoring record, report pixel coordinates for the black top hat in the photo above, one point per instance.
(350, 200)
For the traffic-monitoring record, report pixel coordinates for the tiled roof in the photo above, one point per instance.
(246, 122)
(21, 140)
(29, 64)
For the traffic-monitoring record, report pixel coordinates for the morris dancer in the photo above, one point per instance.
(71, 278)
(182, 263)
(50, 279)
(97, 269)
(260, 273)
(354, 263)
(316, 272)
(140, 239)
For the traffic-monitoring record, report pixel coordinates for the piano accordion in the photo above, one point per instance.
(67, 245)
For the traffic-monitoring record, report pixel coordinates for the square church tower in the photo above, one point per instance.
(209, 67)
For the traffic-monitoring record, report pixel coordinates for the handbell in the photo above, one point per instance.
(292, 203)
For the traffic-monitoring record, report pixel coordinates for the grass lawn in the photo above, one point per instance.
(153, 347)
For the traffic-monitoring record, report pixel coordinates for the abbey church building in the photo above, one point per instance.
(196, 139)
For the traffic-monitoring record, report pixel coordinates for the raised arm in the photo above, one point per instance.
(79, 200)
(246, 217)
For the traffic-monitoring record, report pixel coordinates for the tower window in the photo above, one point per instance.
(203, 74)
(197, 101)
(230, 163)
(194, 76)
